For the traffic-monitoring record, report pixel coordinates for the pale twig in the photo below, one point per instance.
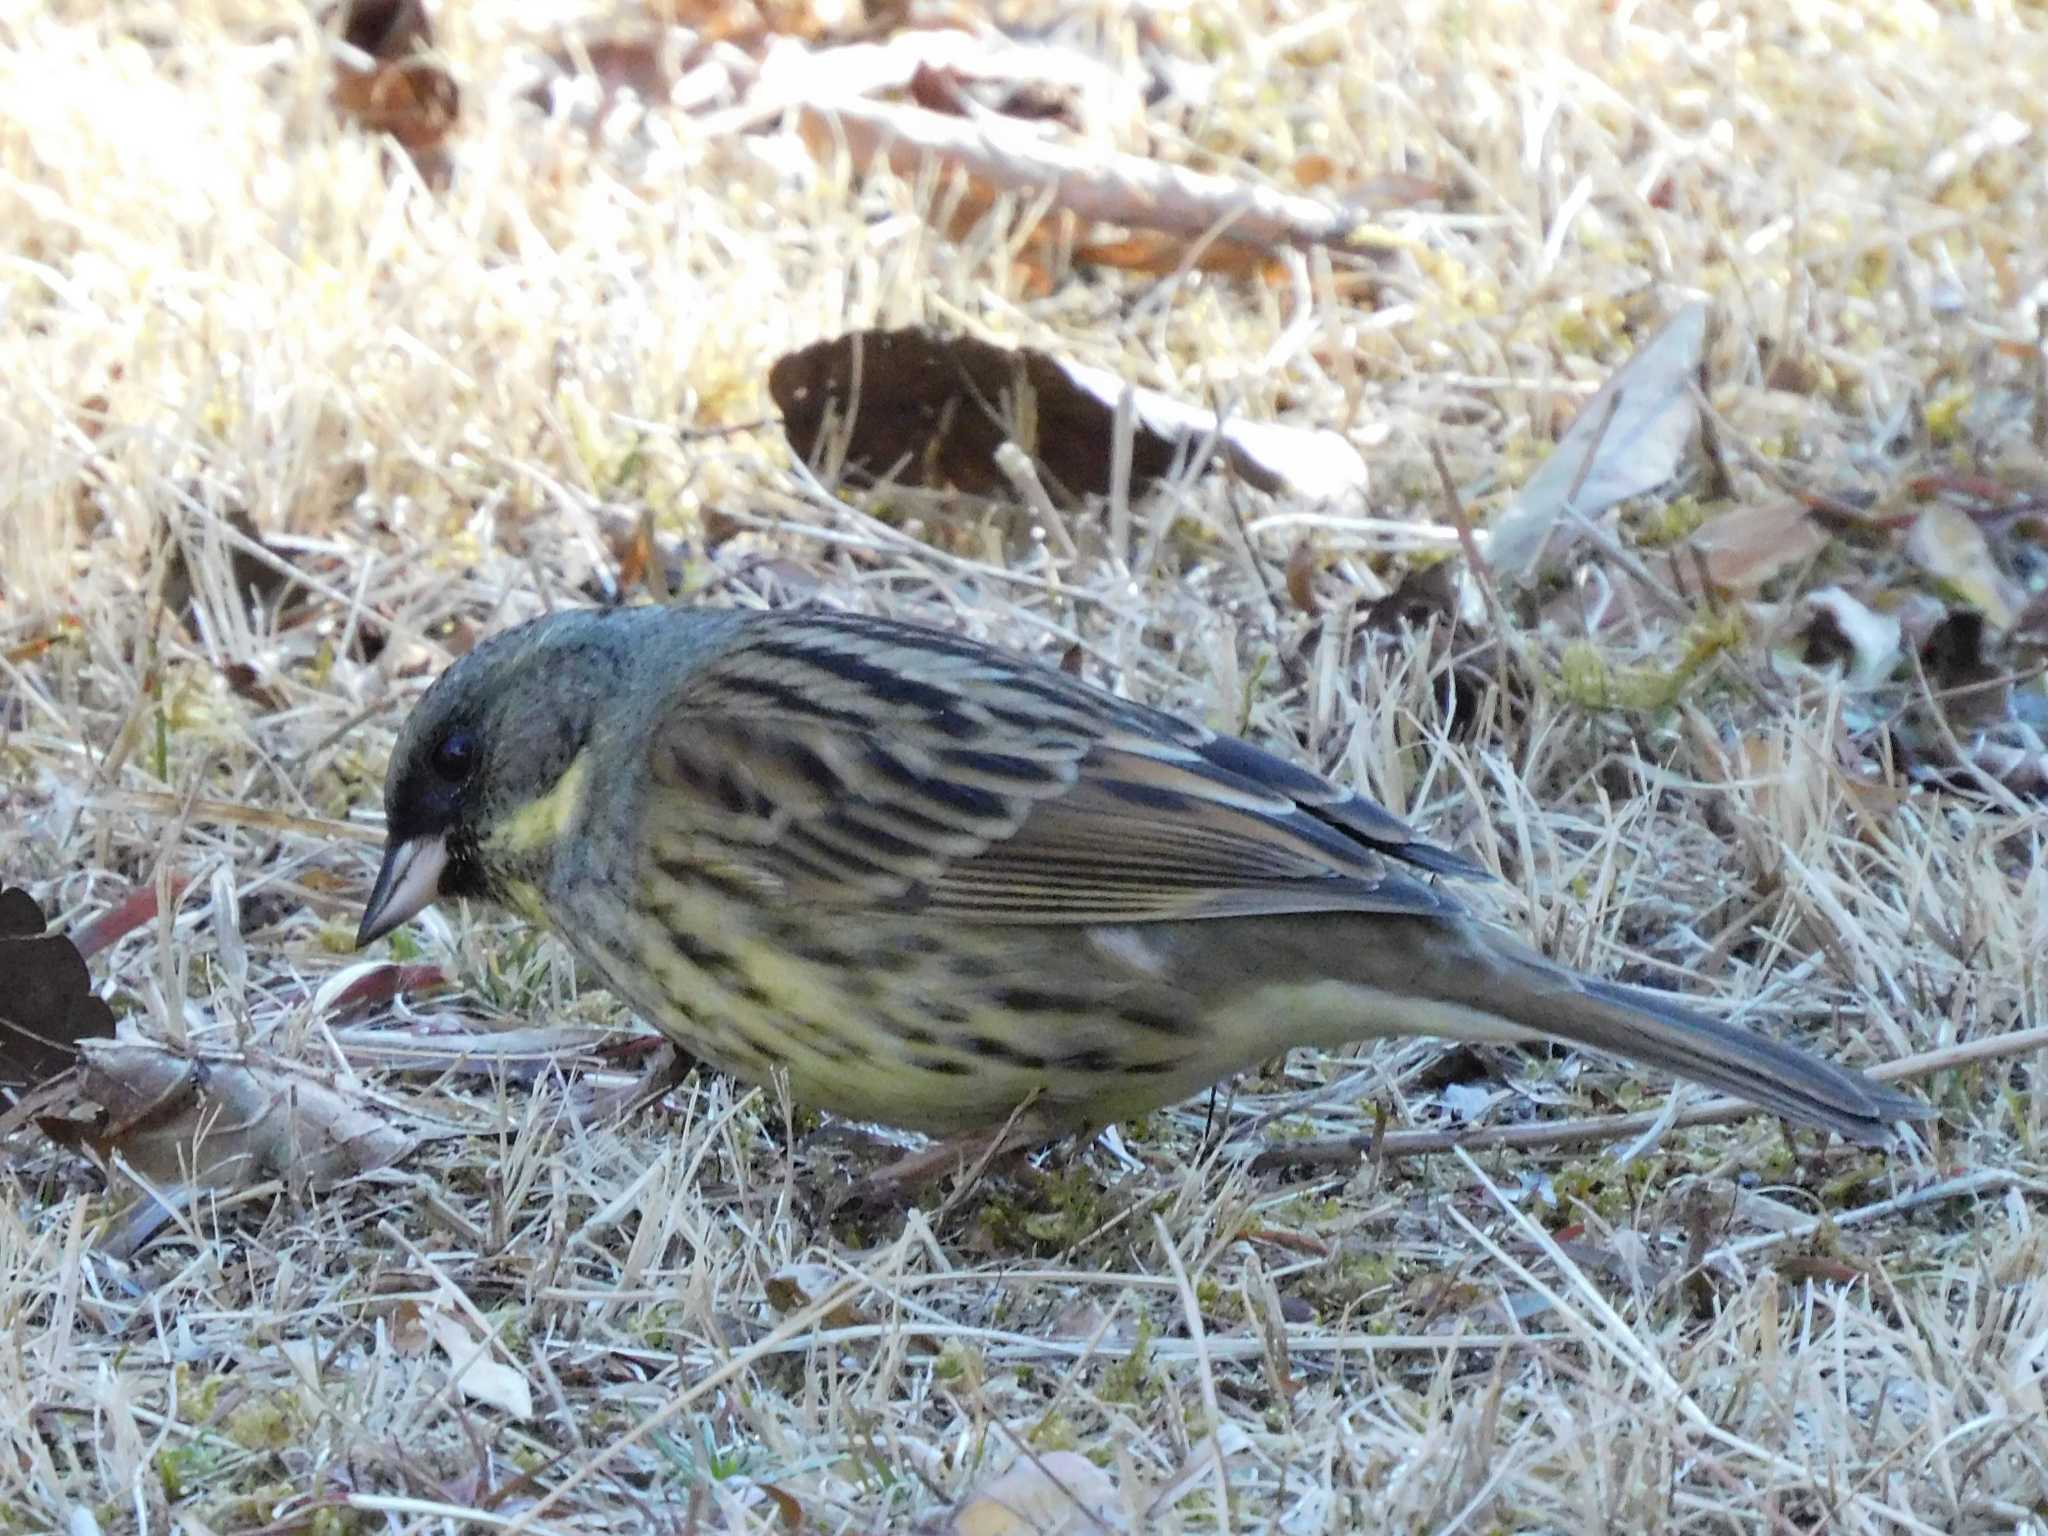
(1933, 1194)
(1606, 1128)
(227, 812)
(1010, 1348)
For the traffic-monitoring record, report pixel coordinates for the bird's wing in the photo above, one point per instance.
(861, 764)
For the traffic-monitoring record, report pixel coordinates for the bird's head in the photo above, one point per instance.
(489, 771)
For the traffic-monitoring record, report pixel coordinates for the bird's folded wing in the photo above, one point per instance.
(837, 766)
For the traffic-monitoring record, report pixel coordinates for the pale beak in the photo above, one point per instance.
(408, 882)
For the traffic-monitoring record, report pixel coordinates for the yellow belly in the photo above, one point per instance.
(876, 1019)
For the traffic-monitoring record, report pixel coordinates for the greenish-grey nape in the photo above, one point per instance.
(933, 882)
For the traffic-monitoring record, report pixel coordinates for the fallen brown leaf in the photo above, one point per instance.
(480, 1374)
(1078, 177)
(259, 575)
(1424, 593)
(138, 907)
(1972, 687)
(1303, 566)
(1744, 548)
(1163, 254)
(223, 1120)
(934, 410)
(380, 984)
(796, 1286)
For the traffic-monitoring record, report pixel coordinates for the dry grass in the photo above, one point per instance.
(440, 402)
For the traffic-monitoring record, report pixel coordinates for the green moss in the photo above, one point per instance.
(961, 1365)
(1589, 681)
(332, 1520)
(1052, 1214)
(1307, 1210)
(183, 1470)
(1053, 1433)
(1595, 1187)
(1945, 417)
(1662, 526)
(337, 939)
(1132, 1379)
(656, 1327)
(267, 1423)
(1347, 1280)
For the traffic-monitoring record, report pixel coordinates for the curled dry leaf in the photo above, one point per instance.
(1424, 593)
(138, 907)
(2015, 760)
(1086, 180)
(921, 408)
(480, 1375)
(1303, 566)
(223, 577)
(1841, 629)
(47, 1005)
(1628, 439)
(1436, 600)
(949, 90)
(1947, 543)
(950, 68)
(224, 1121)
(376, 984)
(1054, 1493)
(1978, 727)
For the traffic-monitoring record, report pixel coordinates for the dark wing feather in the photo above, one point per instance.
(857, 762)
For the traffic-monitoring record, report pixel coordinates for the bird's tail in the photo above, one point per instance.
(1655, 1030)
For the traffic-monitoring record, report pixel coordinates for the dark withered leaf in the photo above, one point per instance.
(932, 410)
(1425, 593)
(1973, 684)
(46, 999)
(405, 93)
(263, 585)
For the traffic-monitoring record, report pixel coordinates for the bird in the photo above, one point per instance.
(942, 887)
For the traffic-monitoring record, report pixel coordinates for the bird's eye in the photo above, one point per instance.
(455, 756)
